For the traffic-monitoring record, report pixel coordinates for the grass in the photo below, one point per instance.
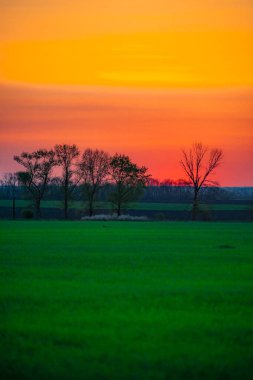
(135, 206)
(96, 300)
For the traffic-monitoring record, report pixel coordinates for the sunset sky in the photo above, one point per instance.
(141, 77)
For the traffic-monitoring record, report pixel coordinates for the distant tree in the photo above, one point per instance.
(10, 180)
(182, 182)
(199, 163)
(129, 180)
(94, 169)
(152, 188)
(167, 182)
(35, 178)
(66, 158)
(153, 182)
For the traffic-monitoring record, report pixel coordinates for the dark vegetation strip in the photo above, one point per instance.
(157, 206)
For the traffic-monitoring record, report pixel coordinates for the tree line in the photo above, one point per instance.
(91, 169)
(95, 168)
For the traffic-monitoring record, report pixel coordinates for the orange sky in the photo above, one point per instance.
(145, 78)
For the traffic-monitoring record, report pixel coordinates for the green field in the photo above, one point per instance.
(135, 206)
(121, 300)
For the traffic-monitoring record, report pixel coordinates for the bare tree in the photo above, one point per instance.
(35, 178)
(199, 163)
(129, 180)
(94, 168)
(67, 156)
(10, 180)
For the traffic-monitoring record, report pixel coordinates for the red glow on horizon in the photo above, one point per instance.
(150, 126)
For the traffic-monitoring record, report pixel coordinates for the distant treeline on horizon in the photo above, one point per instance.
(159, 192)
(95, 175)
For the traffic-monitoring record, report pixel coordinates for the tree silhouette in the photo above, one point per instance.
(10, 180)
(129, 180)
(94, 168)
(67, 156)
(35, 178)
(198, 163)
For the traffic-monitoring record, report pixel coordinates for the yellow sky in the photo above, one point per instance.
(162, 43)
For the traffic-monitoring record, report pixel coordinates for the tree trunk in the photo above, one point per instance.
(66, 199)
(14, 208)
(119, 199)
(90, 209)
(91, 202)
(38, 211)
(65, 207)
(119, 208)
(195, 205)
